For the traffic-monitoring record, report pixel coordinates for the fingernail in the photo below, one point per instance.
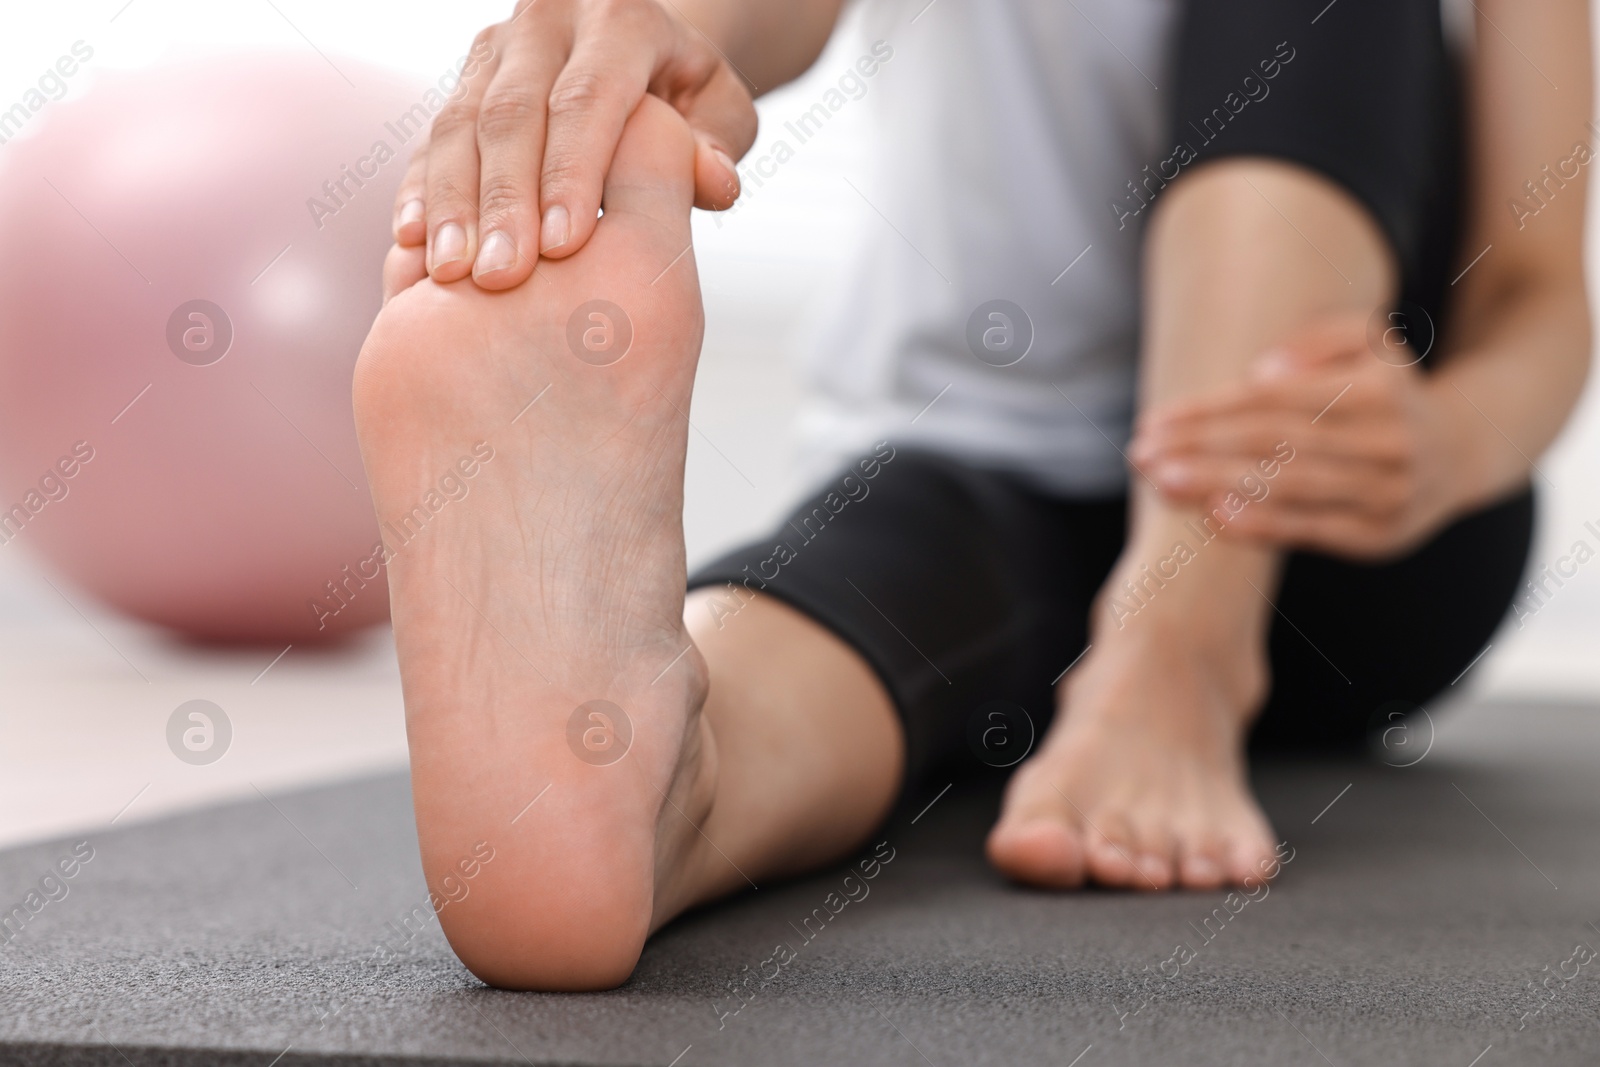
(1154, 418)
(498, 253)
(449, 243)
(411, 211)
(556, 229)
(1174, 475)
(732, 185)
(1274, 364)
(1144, 447)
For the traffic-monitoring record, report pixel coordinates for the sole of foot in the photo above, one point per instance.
(525, 450)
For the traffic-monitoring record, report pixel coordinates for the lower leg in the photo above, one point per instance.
(1142, 780)
(809, 752)
(1241, 254)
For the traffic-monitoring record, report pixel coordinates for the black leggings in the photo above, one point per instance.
(1370, 100)
(969, 592)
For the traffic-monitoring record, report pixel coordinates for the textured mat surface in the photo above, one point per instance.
(1442, 913)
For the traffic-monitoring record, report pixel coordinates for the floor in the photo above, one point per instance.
(1421, 907)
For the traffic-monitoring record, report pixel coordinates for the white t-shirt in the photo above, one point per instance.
(1003, 132)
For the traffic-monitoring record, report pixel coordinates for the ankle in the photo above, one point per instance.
(1215, 595)
(1211, 624)
(699, 873)
(1216, 640)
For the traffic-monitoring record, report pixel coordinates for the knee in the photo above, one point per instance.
(1266, 212)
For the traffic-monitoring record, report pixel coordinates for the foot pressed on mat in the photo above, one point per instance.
(1142, 782)
(525, 450)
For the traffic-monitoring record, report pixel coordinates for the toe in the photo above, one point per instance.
(1155, 851)
(1250, 857)
(652, 172)
(1044, 852)
(1155, 872)
(1039, 839)
(1203, 863)
(1112, 856)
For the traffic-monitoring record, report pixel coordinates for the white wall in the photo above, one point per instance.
(84, 733)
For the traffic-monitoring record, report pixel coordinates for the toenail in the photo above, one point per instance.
(411, 211)
(449, 243)
(498, 253)
(1203, 869)
(556, 229)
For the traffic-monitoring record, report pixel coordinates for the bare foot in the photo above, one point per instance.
(1142, 783)
(526, 451)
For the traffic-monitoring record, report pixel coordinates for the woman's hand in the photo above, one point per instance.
(515, 163)
(1364, 453)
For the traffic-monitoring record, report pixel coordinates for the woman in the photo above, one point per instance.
(1329, 508)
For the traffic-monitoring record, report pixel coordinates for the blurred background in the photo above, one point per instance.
(86, 694)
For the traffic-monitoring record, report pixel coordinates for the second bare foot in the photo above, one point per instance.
(1141, 783)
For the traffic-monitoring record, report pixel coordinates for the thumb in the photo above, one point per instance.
(723, 118)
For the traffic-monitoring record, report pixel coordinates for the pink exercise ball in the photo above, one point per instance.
(193, 257)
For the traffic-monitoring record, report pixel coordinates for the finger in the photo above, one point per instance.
(1242, 438)
(1333, 531)
(589, 104)
(1285, 363)
(1324, 347)
(403, 267)
(1373, 489)
(723, 117)
(1229, 400)
(511, 137)
(410, 208)
(1308, 395)
(1249, 434)
(1368, 409)
(1327, 338)
(1195, 478)
(1377, 490)
(716, 178)
(1334, 345)
(1268, 439)
(1309, 385)
(452, 184)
